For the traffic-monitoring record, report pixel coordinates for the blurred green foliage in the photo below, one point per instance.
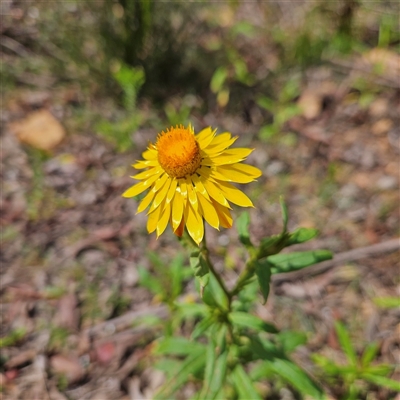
(192, 48)
(130, 80)
(353, 380)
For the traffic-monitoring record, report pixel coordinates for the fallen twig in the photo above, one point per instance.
(351, 255)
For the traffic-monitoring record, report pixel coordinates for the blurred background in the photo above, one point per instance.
(313, 86)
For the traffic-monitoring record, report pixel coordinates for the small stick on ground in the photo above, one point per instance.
(351, 255)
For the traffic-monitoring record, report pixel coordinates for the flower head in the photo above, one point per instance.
(187, 177)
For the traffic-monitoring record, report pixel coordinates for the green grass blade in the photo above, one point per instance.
(294, 375)
(345, 343)
(243, 385)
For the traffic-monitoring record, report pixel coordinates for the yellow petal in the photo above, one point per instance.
(195, 224)
(216, 149)
(160, 183)
(192, 195)
(239, 173)
(234, 195)
(183, 187)
(231, 156)
(145, 202)
(172, 190)
(141, 164)
(139, 187)
(214, 192)
(150, 154)
(224, 215)
(177, 210)
(205, 137)
(208, 211)
(164, 218)
(148, 173)
(221, 138)
(199, 187)
(161, 194)
(153, 219)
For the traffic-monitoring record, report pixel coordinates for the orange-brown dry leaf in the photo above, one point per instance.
(40, 130)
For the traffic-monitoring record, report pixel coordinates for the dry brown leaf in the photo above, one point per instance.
(40, 130)
(68, 312)
(387, 61)
(382, 126)
(67, 365)
(310, 103)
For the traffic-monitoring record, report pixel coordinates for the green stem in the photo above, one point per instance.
(244, 277)
(205, 252)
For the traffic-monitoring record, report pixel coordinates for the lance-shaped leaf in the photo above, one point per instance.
(263, 272)
(243, 384)
(297, 260)
(214, 296)
(242, 224)
(301, 235)
(216, 366)
(200, 268)
(285, 214)
(272, 245)
(177, 346)
(382, 381)
(345, 342)
(294, 375)
(193, 364)
(202, 326)
(246, 320)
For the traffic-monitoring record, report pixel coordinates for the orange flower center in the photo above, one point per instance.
(178, 152)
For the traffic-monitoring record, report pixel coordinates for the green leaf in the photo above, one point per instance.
(169, 366)
(382, 381)
(381, 369)
(267, 103)
(326, 364)
(177, 346)
(209, 369)
(263, 272)
(214, 293)
(301, 235)
(200, 268)
(290, 340)
(202, 327)
(272, 245)
(218, 79)
(387, 302)
(345, 343)
(262, 348)
(219, 375)
(244, 385)
(191, 310)
(214, 376)
(191, 366)
(294, 375)
(285, 215)
(370, 352)
(13, 337)
(242, 224)
(297, 260)
(243, 28)
(150, 282)
(251, 321)
(262, 371)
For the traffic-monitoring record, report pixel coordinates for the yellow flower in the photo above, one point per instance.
(188, 179)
